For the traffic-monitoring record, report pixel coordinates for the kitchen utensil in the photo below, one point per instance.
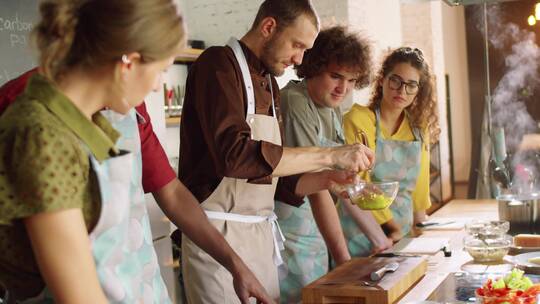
(368, 283)
(522, 211)
(372, 195)
(360, 137)
(394, 254)
(446, 223)
(523, 261)
(344, 283)
(427, 224)
(378, 274)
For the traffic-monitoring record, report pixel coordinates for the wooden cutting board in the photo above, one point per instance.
(344, 284)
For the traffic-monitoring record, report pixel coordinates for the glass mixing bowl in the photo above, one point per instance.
(373, 195)
(487, 250)
(487, 228)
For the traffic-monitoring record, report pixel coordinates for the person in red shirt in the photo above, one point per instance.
(173, 197)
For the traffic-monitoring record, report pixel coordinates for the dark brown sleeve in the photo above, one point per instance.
(286, 187)
(285, 191)
(221, 109)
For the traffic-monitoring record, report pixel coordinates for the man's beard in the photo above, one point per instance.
(268, 57)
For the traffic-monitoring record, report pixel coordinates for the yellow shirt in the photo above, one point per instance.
(363, 118)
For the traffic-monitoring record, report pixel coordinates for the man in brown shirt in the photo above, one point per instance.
(231, 152)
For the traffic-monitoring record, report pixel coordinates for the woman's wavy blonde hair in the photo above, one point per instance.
(423, 110)
(90, 33)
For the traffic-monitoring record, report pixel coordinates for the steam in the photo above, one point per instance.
(519, 81)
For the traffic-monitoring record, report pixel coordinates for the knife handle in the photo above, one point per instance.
(426, 224)
(378, 274)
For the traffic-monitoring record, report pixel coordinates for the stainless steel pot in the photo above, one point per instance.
(522, 211)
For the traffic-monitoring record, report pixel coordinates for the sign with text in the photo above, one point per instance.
(17, 19)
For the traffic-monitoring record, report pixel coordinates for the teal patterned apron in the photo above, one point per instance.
(305, 257)
(395, 160)
(126, 262)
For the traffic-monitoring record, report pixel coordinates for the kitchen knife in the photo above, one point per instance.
(378, 274)
(427, 224)
(395, 254)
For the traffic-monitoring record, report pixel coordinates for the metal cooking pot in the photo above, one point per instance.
(522, 211)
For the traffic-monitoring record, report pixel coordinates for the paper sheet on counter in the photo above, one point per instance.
(423, 245)
(447, 223)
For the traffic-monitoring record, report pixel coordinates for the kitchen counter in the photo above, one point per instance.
(438, 265)
(343, 284)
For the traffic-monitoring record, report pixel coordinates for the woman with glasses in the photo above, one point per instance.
(398, 122)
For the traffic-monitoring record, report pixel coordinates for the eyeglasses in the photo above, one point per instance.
(395, 83)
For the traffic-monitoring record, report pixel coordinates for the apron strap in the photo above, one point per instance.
(416, 132)
(337, 126)
(377, 123)
(244, 68)
(279, 238)
(269, 79)
(246, 76)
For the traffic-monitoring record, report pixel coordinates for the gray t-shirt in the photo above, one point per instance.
(301, 118)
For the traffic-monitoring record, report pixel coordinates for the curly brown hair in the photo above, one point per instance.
(423, 110)
(337, 45)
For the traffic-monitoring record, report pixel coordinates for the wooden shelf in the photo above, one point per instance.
(172, 121)
(188, 55)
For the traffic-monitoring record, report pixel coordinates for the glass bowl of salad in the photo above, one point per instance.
(373, 195)
(514, 288)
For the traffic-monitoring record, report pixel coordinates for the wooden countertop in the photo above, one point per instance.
(439, 266)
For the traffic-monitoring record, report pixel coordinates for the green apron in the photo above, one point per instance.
(395, 160)
(305, 256)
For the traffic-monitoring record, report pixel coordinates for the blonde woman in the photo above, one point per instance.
(73, 221)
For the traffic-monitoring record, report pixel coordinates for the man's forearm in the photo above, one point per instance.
(353, 158)
(325, 215)
(310, 183)
(183, 209)
(300, 160)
